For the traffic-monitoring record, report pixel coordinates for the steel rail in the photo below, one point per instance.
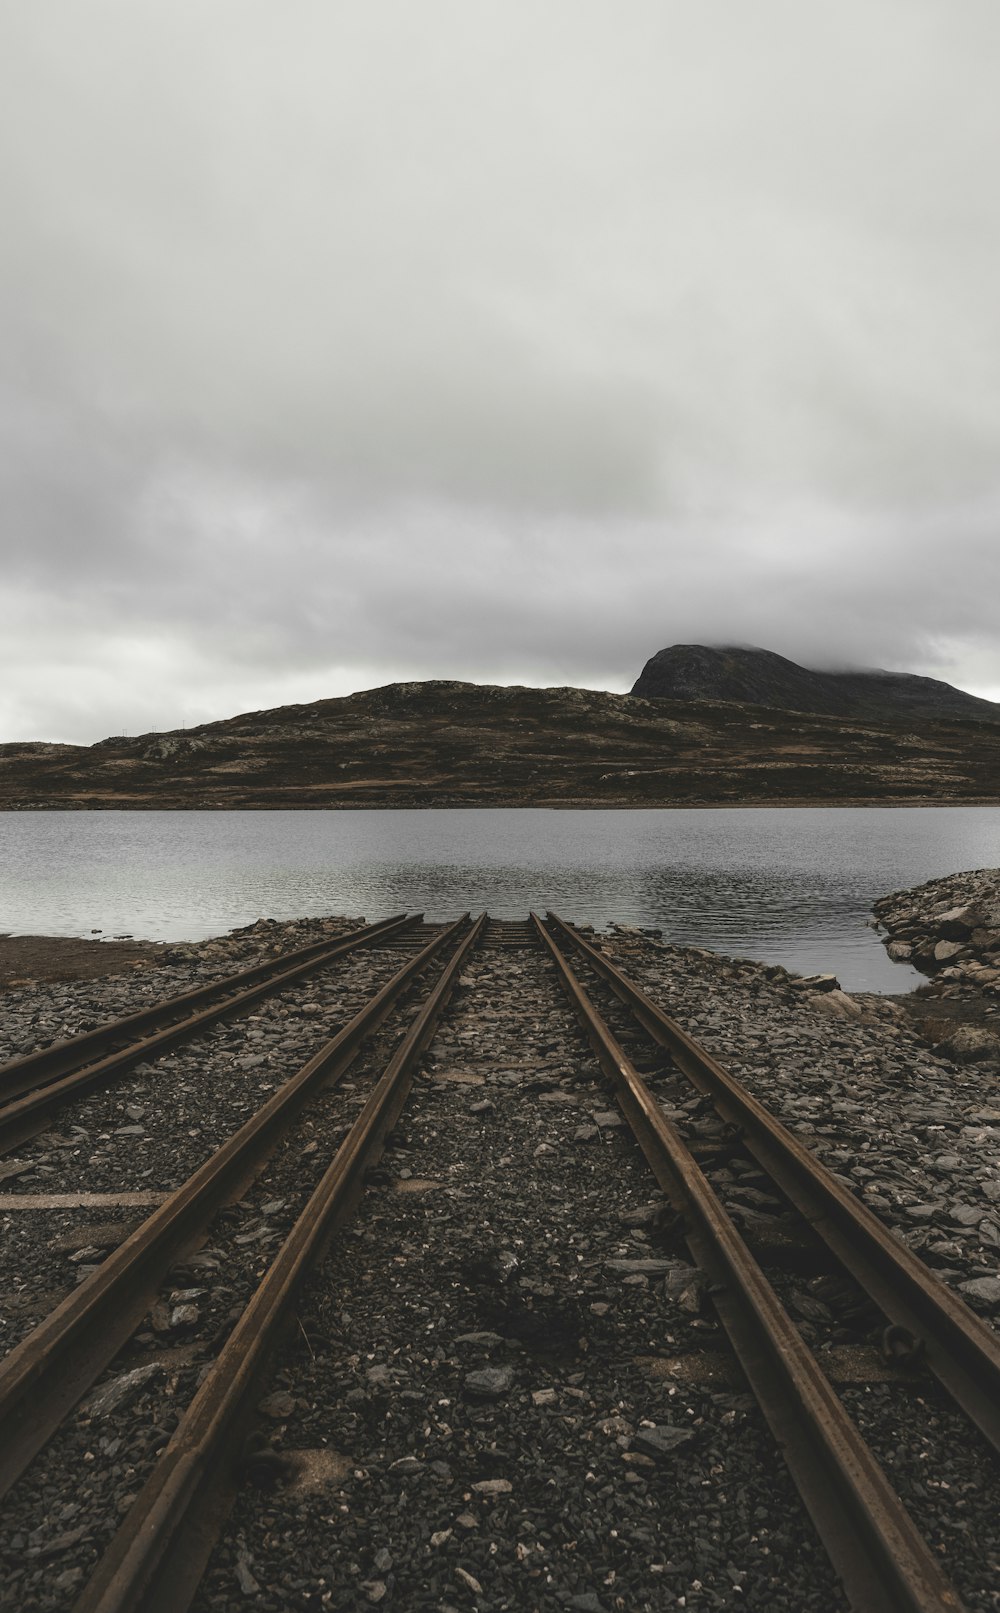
(46, 1063)
(960, 1349)
(45, 1375)
(157, 1558)
(882, 1560)
(24, 1116)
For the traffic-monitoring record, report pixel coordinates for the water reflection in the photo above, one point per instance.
(789, 885)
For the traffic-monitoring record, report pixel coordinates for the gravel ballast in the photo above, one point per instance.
(506, 1387)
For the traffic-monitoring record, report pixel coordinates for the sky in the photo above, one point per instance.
(352, 341)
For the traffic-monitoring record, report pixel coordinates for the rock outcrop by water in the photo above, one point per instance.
(948, 928)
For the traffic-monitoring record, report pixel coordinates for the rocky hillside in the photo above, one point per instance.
(462, 744)
(761, 678)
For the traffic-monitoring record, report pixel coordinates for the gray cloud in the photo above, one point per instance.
(359, 342)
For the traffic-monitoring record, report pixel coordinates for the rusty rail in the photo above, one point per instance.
(35, 1085)
(882, 1560)
(157, 1558)
(960, 1349)
(44, 1376)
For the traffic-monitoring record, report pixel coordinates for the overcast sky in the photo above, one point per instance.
(347, 341)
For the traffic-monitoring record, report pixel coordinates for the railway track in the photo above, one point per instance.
(159, 1554)
(962, 1352)
(33, 1087)
(45, 1376)
(879, 1554)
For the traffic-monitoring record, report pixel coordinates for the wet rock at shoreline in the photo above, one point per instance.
(949, 929)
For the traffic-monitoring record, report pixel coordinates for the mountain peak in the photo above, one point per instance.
(758, 677)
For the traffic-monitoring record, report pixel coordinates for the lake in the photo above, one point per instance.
(790, 885)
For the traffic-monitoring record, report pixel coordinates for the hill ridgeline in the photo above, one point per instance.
(761, 678)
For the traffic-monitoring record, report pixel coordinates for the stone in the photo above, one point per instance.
(986, 1288)
(111, 1395)
(663, 1439)
(837, 1003)
(650, 1267)
(944, 951)
(184, 1316)
(958, 923)
(406, 1464)
(244, 1578)
(969, 1044)
(277, 1406)
(491, 1383)
(493, 1487)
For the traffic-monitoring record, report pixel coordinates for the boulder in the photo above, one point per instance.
(958, 923)
(836, 1003)
(946, 950)
(969, 1044)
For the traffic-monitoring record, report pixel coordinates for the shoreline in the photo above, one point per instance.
(811, 803)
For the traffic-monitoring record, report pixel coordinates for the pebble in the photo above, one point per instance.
(490, 1383)
(662, 1440)
(985, 1288)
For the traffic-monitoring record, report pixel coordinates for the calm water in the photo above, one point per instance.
(787, 885)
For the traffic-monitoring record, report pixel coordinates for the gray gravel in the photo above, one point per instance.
(916, 1136)
(506, 1387)
(480, 1361)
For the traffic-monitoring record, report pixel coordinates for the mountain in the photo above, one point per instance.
(466, 744)
(761, 678)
